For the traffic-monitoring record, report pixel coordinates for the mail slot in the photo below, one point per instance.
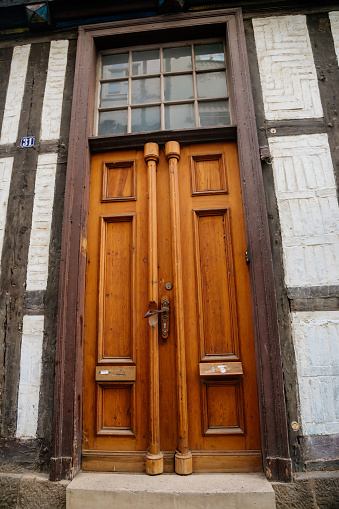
(116, 373)
(218, 369)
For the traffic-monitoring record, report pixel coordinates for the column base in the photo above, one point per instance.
(183, 463)
(154, 464)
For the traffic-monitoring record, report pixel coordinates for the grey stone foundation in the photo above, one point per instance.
(313, 490)
(31, 491)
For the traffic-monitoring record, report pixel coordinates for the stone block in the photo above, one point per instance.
(37, 492)
(9, 490)
(314, 490)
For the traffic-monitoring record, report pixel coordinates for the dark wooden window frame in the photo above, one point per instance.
(67, 432)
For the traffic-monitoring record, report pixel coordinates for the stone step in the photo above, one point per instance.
(92, 490)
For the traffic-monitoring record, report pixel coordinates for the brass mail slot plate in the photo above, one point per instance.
(121, 373)
(213, 369)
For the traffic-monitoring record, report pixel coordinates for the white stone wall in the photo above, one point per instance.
(15, 93)
(52, 106)
(30, 376)
(287, 71)
(6, 166)
(316, 340)
(38, 254)
(334, 19)
(10, 125)
(308, 208)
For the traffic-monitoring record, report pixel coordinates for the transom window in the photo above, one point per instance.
(169, 87)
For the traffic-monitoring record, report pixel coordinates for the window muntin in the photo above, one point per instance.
(173, 86)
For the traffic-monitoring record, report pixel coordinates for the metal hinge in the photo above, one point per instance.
(265, 154)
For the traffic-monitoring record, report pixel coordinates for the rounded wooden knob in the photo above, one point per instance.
(151, 152)
(172, 149)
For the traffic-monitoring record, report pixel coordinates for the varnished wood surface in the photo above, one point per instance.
(122, 373)
(217, 307)
(154, 458)
(68, 394)
(196, 242)
(116, 301)
(220, 369)
(172, 151)
(212, 462)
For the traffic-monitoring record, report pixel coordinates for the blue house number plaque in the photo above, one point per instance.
(27, 142)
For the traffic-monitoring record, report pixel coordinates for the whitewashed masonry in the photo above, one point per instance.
(334, 19)
(15, 93)
(287, 71)
(308, 208)
(38, 254)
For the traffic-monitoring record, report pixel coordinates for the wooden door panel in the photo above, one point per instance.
(213, 303)
(217, 315)
(117, 289)
(119, 181)
(208, 174)
(116, 409)
(167, 350)
(116, 353)
(223, 406)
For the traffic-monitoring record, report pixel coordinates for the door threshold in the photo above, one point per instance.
(170, 491)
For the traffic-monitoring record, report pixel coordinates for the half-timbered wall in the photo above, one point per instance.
(299, 119)
(294, 70)
(35, 100)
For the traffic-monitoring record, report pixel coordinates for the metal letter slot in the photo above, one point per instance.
(115, 373)
(220, 369)
(164, 312)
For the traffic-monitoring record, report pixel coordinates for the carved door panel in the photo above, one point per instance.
(166, 228)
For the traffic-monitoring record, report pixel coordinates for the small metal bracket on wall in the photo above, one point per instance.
(265, 154)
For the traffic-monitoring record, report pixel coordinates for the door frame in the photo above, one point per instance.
(67, 426)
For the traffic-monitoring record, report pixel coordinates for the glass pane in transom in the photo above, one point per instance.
(177, 59)
(209, 55)
(178, 87)
(146, 90)
(112, 122)
(113, 94)
(114, 66)
(179, 116)
(214, 113)
(145, 62)
(146, 119)
(211, 84)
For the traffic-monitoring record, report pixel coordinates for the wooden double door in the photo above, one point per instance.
(175, 390)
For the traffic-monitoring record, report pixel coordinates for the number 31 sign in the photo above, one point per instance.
(27, 142)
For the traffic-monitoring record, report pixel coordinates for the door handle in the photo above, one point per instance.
(152, 312)
(164, 312)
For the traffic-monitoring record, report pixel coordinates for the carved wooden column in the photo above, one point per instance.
(154, 458)
(183, 456)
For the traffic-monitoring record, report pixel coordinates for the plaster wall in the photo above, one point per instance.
(308, 209)
(38, 254)
(287, 70)
(36, 82)
(317, 348)
(334, 19)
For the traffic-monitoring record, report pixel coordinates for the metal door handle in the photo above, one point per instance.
(152, 312)
(164, 312)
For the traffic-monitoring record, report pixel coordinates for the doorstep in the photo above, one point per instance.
(94, 490)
